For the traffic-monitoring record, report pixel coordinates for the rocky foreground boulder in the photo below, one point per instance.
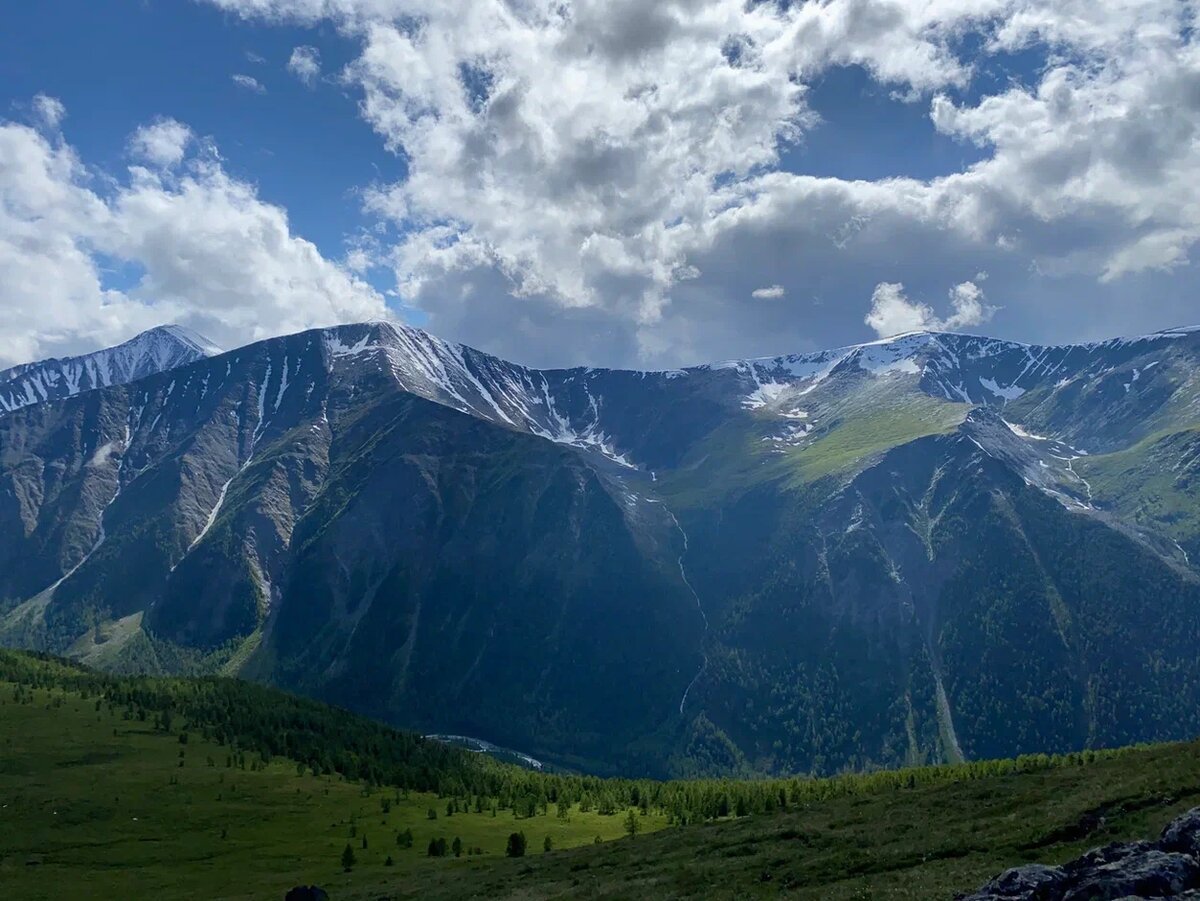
(307, 893)
(1167, 868)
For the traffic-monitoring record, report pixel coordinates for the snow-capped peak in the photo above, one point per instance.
(156, 350)
(962, 368)
(559, 406)
(188, 337)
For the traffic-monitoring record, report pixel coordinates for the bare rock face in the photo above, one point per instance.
(1167, 868)
(1034, 880)
(1183, 834)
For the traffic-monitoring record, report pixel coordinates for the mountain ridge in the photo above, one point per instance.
(666, 572)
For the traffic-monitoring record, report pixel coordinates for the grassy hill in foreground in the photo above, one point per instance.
(100, 798)
(923, 844)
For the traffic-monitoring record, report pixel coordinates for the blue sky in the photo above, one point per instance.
(867, 133)
(625, 189)
(120, 63)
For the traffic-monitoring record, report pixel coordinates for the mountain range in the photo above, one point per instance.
(927, 548)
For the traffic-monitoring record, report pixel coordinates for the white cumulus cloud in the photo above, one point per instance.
(305, 64)
(584, 166)
(162, 143)
(248, 82)
(49, 111)
(892, 313)
(190, 244)
(771, 292)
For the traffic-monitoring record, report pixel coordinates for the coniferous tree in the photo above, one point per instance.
(516, 845)
(348, 858)
(632, 825)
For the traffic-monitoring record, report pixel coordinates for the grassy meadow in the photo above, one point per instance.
(106, 800)
(98, 806)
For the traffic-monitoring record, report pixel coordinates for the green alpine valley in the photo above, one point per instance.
(361, 609)
(215, 788)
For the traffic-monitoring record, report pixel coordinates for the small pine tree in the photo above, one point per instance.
(516, 845)
(431, 814)
(457, 846)
(389, 862)
(348, 858)
(632, 825)
(547, 845)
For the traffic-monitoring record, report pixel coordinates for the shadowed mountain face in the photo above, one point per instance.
(927, 548)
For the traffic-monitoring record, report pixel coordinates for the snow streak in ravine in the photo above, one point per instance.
(699, 606)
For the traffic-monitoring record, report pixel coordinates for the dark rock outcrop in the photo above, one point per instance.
(307, 893)
(1167, 868)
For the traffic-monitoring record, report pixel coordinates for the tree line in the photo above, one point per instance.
(261, 725)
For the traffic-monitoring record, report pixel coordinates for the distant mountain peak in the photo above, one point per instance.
(155, 350)
(959, 367)
(186, 336)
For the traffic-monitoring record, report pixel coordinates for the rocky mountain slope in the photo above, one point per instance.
(927, 548)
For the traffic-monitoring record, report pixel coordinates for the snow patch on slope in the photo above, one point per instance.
(1008, 392)
(474, 383)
